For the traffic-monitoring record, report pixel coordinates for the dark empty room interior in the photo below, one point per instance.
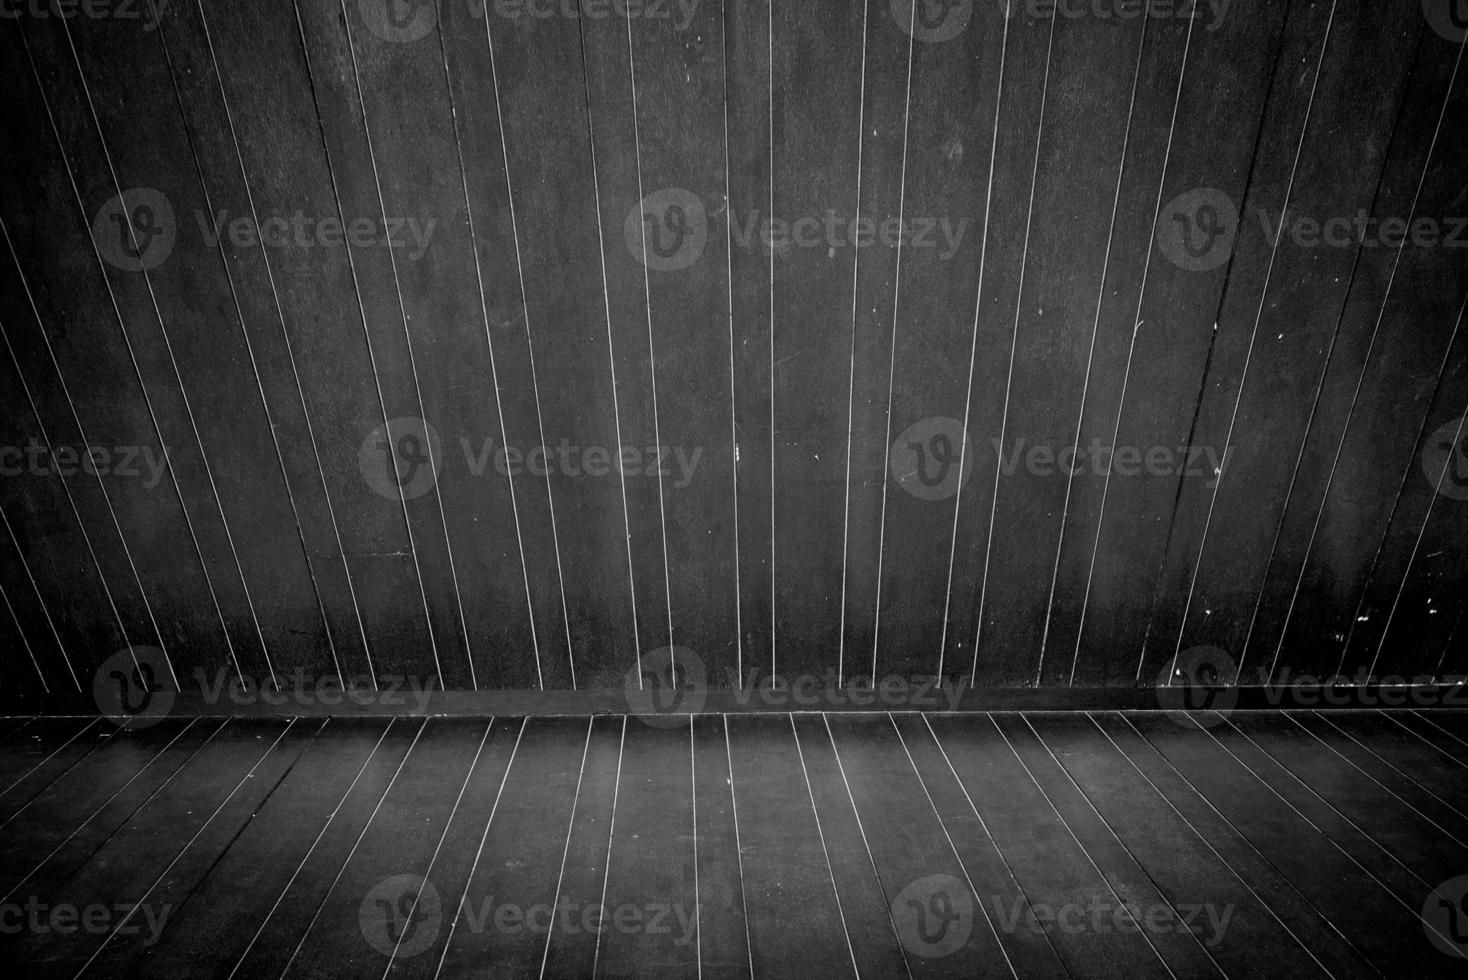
(734, 489)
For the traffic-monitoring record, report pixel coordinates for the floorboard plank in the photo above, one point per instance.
(43, 754)
(866, 904)
(1131, 886)
(1241, 932)
(1025, 940)
(919, 867)
(794, 923)
(422, 929)
(135, 933)
(499, 925)
(153, 861)
(650, 884)
(1423, 848)
(209, 934)
(723, 928)
(358, 925)
(1360, 892)
(269, 937)
(1450, 749)
(57, 832)
(571, 950)
(1400, 762)
(1050, 865)
(1295, 909)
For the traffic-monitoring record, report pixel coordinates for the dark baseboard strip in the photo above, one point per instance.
(913, 696)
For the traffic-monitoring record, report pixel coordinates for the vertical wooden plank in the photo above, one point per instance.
(86, 389)
(748, 93)
(1322, 555)
(358, 188)
(883, 115)
(1229, 71)
(680, 130)
(374, 153)
(1088, 101)
(817, 97)
(1171, 50)
(419, 161)
(310, 316)
(230, 222)
(28, 638)
(53, 590)
(633, 217)
(1024, 89)
(118, 115)
(547, 136)
(1279, 320)
(473, 89)
(1405, 614)
(945, 203)
(18, 655)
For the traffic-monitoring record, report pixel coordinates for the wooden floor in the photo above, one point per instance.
(1031, 845)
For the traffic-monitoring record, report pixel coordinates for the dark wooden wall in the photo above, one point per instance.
(1090, 262)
